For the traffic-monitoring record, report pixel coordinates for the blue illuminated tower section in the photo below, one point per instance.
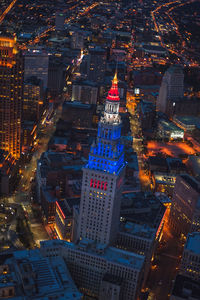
(103, 177)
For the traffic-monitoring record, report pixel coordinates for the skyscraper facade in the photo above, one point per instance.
(36, 63)
(172, 87)
(96, 64)
(103, 177)
(11, 79)
(185, 211)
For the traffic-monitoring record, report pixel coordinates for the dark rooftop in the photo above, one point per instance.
(192, 182)
(186, 288)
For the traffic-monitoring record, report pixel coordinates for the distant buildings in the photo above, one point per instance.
(11, 86)
(185, 209)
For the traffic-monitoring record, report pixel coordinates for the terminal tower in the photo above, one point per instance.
(103, 177)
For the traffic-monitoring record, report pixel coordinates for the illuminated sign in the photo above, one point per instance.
(165, 178)
(137, 91)
(177, 135)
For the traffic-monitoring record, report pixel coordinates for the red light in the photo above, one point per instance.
(98, 184)
(60, 209)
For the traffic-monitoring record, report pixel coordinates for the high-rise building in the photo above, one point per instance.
(190, 264)
(60, 21)
(96, 64)
(100, 270)
(36, 63)
(32, 99)
(11, 78)
(103, 177)
(172, 87)
(185, 210)
(56, 76)
(77, 40)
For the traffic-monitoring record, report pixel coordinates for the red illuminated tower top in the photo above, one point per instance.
(113, 94)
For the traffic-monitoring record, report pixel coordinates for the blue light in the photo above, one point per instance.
(107, 154)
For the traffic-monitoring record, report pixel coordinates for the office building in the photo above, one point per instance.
(36, 63)
(172, 87)
(27, 274)
(85, 91)
(65, 216)
(185, 288)
(185, 209)
(11, 81)
(32, 99)
(190, 263)
(60, 21)
(77, 40)
(93, 265)
(96, 64)
(103, 177)
(183, 106)
(56, 76)
(78, 114)
(8, 173)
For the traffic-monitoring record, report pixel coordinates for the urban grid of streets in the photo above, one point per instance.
(170, 249)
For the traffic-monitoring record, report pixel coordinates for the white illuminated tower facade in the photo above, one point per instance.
(103, 177)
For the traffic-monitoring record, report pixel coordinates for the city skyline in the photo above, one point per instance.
(99, 149)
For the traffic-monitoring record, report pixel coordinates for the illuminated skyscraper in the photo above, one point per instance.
(100, 270)
(11, 76)
(103, 177)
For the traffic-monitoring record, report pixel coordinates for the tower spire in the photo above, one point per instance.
(113, 94)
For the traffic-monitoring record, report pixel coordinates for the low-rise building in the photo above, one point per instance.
(90, 262)
(143, 208)
(32, 276)
(65, 218)
(168, 130)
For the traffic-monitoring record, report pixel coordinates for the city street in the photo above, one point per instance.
(23, 194)
(167, 259)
